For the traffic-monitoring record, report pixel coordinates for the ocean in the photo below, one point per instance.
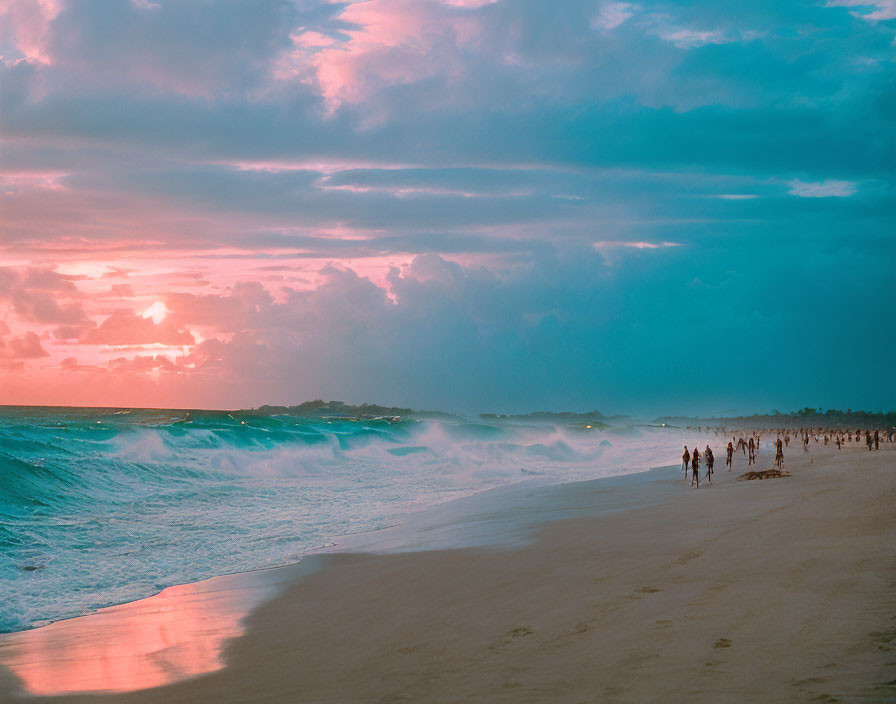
(105, 506)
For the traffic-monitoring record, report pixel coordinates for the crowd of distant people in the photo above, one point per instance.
(749, 446)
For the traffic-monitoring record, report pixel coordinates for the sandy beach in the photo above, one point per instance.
(777, 590)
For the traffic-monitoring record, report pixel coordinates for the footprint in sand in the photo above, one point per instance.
(520, 632)
(810, 680)
(884, 639)
(688, 557)
(722, 643)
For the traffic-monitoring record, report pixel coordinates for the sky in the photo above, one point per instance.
(469, 205)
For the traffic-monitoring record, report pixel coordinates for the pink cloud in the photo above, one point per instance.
(49, 280)
(312, 39)
(393, 42)
(18, 182)
(116, 273)
(126, 328)
(121, 290)
(28, 22)
(142, 364)
(25, 346)
(71, 364)
(327, 166)
(635, 245)
(44, 308)
(36, 279)
(228, 313)
(404, 191)
(469, 3)
(69, 332)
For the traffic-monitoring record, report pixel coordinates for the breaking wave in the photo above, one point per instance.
(99, 508)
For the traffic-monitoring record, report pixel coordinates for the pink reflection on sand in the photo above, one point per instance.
(171, 636)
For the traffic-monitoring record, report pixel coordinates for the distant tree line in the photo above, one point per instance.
(319, 408)
(807, 417)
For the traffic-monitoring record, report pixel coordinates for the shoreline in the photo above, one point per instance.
(416, 531)
(559, 524)
(227, 507)
(402, 522)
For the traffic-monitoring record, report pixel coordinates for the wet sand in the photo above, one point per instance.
(775, 590)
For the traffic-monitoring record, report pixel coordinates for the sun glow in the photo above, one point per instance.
(157, 311)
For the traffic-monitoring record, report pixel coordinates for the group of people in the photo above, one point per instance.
(873, 438)
(690, 460)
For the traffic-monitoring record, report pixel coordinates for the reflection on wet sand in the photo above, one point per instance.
(173, 635)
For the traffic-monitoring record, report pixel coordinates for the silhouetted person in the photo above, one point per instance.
(710, 461)
(685, 461)
(752, 448)
(695, 468)
(779, 454)
(730, 453)
(876, 439)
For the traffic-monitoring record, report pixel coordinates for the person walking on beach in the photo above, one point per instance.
(710, 461)
(779, 454)
(806, 442)
(868, 440)
(839, 443)
(695, 468)
(730, 454)
(876, 439)
(752, 449)
(685, 460)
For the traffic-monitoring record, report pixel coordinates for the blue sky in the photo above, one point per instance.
(649, 207)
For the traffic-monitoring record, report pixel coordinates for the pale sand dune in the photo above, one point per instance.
(765, 591)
